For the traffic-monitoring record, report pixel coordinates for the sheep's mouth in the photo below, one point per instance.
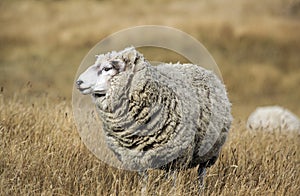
(98, 94)
(84, 91)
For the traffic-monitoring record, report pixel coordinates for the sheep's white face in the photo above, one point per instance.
(96, 79)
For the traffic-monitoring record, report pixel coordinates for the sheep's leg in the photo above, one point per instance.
(173, 176)
(144, 175)
(201, 175)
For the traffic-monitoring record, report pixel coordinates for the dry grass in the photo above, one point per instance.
(41, 153)
(256, 44)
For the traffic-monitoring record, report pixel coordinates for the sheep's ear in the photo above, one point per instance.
(133, 56)
(130, 54)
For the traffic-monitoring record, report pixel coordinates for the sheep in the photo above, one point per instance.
(168, 116)
(271, 118)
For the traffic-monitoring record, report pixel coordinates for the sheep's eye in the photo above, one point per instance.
(107, 68)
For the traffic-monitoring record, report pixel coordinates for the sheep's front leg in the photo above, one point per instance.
(172, 175)
(144, 175)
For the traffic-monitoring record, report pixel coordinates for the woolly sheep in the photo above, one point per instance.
(272, 118)
(166, 116)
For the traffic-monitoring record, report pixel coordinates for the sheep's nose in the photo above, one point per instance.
(79, 82)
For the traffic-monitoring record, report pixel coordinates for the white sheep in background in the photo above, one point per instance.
(168, 116)
(272, 118)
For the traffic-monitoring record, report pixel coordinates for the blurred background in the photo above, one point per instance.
(255, 43)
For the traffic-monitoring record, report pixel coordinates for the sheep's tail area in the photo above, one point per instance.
(214, 111)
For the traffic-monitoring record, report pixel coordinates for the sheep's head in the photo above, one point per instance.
(96, 79)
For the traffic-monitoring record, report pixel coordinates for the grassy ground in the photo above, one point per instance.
(41, 153)
(256, 45)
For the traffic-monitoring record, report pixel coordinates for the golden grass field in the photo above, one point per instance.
(256, 45)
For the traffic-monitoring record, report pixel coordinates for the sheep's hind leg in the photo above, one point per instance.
(201, 175)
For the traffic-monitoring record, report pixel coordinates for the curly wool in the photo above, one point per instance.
(154, 115)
